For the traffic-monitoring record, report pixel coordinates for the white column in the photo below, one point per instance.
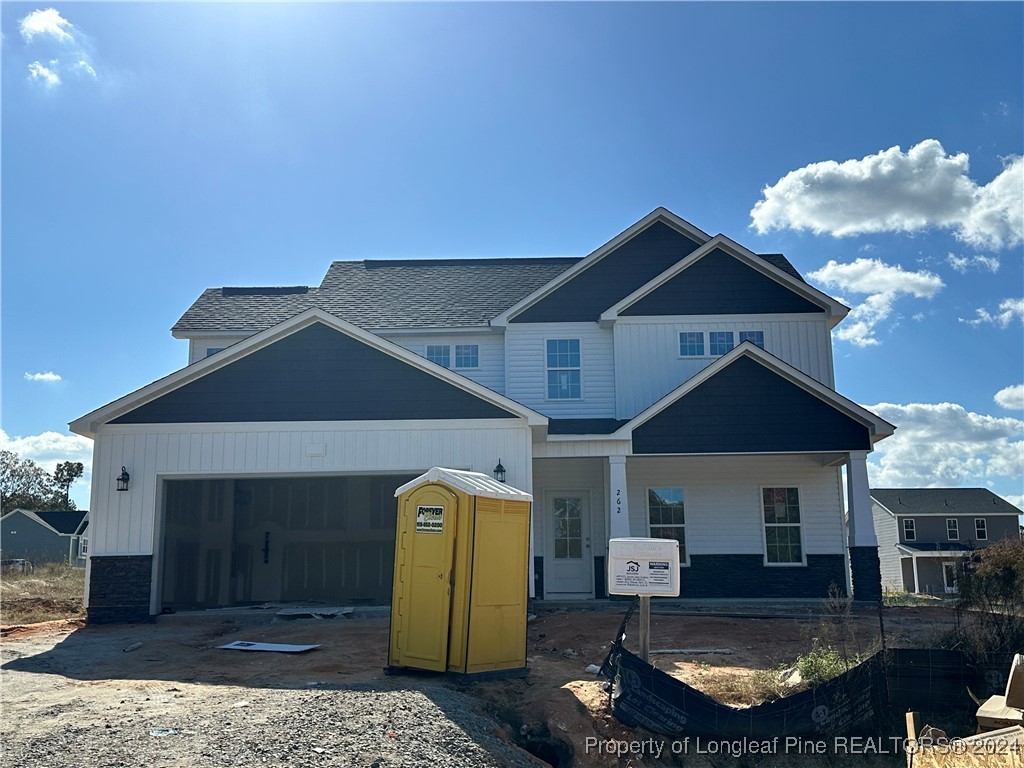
(917, 583)
(858, 496)
(618, 525)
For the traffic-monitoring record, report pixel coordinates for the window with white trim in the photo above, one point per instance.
(563, 369)
(467, 356)
(720, 342)
(83, 547)
(440, 354)
(757, 337)
(952, 529)
(909, 529)
(980, 529)
(667, 517)
(782, 526)
(691, 343)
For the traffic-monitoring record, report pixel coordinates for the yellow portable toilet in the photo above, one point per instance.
(462, 549)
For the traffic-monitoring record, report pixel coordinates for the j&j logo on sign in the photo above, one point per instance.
(429, 519)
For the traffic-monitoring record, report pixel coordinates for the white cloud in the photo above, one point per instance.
(896, 191)
(47, 376)
(1009, 310)
(49, 449)
(883, 283)
(963, 263)
(48, 23)
(1016, 500)
(1011, 397)
(43, 74)
(943, 444)
(86, 68)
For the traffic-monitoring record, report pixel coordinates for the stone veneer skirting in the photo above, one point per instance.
(119, 589)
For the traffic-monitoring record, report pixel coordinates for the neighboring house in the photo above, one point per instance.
(57, 536)
(923, 532)
(669, 384)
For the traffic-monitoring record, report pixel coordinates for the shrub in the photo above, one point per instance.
(990, 615)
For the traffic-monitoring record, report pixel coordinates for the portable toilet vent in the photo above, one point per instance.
(462, 549)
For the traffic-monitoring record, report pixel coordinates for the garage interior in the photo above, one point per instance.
(290, 539)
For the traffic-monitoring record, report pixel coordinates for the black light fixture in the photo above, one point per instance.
(122, 480)
(499, 472)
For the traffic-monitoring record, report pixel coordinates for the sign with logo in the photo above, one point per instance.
(646, 567)
(429, 519)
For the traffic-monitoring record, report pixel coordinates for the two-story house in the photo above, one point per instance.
(923, 532)
(669, 384)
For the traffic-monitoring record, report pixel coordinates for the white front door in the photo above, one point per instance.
(949, 576)
(569, 564)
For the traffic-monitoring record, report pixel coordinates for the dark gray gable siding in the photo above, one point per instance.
(315, 374)
(612, 278)
(720, 284)
(748, 408)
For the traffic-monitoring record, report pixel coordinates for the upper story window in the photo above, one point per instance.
(980, 529)
(909, 529)
(757, 337)
(667, 516)
(467, 356)
(440, 354)
(213, 350)
(563, 369)
(782, 526)
(691, 344)
(721, 342)
(952, 529)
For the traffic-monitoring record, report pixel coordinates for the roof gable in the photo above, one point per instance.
(313, 367)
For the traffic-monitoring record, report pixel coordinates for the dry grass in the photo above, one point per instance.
(52, 591)
(740, 688)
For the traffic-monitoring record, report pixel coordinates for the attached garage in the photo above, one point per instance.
(267, 472)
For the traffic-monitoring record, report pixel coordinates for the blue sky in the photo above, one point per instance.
(151, 151)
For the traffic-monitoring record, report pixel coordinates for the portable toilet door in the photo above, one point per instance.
(424, 559)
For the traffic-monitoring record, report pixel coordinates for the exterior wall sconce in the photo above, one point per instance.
(122, 480)
(499, 472)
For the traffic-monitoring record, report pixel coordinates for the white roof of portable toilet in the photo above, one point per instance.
(473, 483)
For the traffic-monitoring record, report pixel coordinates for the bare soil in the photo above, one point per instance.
(62, 672)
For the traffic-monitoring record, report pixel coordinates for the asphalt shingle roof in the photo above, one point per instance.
(409, 293)
(63, 521)
(942, 501)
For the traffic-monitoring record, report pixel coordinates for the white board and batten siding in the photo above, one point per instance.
(526, 368)
(648, 364)
(125, 523)
(491, 347)
(723, 501)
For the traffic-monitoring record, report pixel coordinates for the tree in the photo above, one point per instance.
(991, 585)
(26, 485)
(64, 474)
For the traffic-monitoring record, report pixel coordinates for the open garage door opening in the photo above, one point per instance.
(298, 539)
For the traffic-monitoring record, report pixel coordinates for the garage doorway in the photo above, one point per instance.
(295, 539)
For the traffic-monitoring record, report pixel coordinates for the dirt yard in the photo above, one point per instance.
(176, 699)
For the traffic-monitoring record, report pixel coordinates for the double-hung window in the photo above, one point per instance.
(467, 355)
(440, 354)
(980, 529)
(952, 529)
(909, 529)
(721, 342)
(757, 337)
(667, 516)
(563, 369)
(782, 526)
(691, 344)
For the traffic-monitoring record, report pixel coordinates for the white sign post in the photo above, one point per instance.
(643, 567)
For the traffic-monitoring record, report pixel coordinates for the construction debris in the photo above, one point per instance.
(242, 645)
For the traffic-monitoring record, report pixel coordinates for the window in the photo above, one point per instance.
(721, 342)
(980, 529)
(691, 344)
(952, 529)
(440, 354)
(667, 517)
(83, 547)
(213, 350)
(782, 526)
(909, 530)
(757, 337)
(467, 356)
(563, 365)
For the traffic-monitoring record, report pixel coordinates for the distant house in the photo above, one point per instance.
(922, 532)
(57, 536)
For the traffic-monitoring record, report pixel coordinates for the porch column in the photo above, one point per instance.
(618, 525)
(865, 571)
(917, 581)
